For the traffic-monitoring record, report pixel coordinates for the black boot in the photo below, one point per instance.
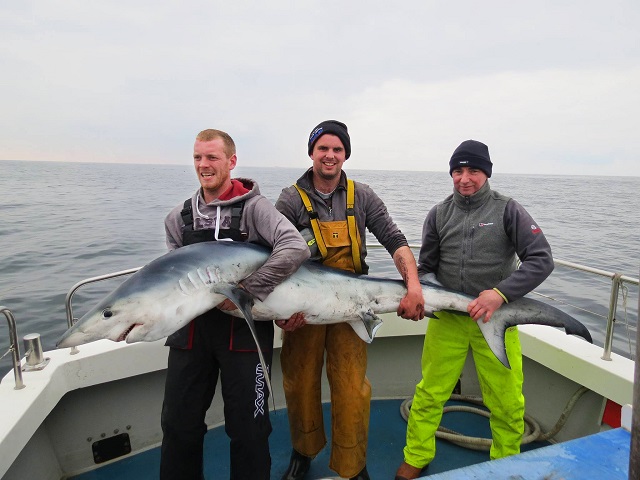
(363, 475)
(298, 466)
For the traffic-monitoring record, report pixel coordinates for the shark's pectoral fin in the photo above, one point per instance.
(367, 326)
(244, 301)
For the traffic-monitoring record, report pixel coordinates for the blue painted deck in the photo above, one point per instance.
(386, 439)
(601, 456)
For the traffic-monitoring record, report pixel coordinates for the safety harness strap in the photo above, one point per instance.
(351, 224)
(313, 217)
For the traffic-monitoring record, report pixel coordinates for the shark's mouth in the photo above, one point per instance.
(123, 335)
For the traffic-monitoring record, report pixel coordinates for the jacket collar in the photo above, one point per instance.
(472, 201)
(306, 181)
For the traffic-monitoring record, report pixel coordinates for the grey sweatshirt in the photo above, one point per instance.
(263, 224)
(472, 244)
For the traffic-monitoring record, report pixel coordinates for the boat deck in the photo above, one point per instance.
(386, 440)
(603, 455)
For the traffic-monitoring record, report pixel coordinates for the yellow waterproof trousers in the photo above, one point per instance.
(446, 344)
(302, 357)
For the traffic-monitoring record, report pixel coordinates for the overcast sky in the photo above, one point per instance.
(551, 86)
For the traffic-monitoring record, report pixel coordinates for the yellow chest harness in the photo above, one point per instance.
(338, 241)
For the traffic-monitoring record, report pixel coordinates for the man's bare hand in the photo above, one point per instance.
(227, 305)
(412, 306)
(296, 321)
(487, 302)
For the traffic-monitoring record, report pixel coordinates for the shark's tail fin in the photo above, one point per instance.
(526, 311)
(534, 311)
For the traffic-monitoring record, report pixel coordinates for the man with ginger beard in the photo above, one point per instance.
(217, 344)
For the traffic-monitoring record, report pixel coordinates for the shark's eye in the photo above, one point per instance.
(106, 313)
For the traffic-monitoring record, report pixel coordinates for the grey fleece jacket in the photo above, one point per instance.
(371, 213)
(263, 224)
(471, 244)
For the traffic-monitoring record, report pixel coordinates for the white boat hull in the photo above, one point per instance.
(108, 388)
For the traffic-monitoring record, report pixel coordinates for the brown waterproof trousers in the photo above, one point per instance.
(302, 358)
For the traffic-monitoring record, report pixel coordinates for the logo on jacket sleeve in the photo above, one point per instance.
(485, 224)
(535, 229)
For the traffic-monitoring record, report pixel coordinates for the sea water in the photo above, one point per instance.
(63, 222)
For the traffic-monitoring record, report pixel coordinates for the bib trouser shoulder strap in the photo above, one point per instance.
(351, 222)
(187, 215)
(313, 217)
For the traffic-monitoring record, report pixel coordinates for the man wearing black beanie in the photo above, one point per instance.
(471, 242)
(333, 213)
(472, 154)
(333, 127)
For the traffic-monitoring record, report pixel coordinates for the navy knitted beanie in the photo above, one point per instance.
(333, 127)
(473, 154)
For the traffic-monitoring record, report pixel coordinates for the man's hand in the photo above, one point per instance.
(412, 305)
(487, 302)
(227, 305)
(296, 320)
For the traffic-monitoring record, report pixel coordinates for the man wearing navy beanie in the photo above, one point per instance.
(333, 127)
(472, 154)
(471, 242)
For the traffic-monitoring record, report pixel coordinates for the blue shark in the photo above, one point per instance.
(175, 288)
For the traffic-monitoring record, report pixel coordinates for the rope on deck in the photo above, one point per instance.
(532, 430)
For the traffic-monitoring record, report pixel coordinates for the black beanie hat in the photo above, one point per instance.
(333, 127)
(471, 153)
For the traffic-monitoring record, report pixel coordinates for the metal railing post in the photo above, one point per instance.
(15, 348)
(611, 316)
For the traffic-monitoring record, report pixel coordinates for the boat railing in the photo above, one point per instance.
(14, 348)
(68, 300)
(617, 281)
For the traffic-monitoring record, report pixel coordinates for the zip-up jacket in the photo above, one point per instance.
(473, 243)
(263, 225)
(370, 212)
